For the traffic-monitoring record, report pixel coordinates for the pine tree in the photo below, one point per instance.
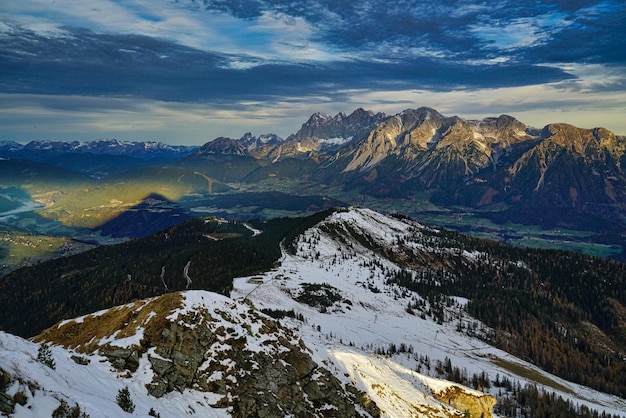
(44, 355)
(124, 400)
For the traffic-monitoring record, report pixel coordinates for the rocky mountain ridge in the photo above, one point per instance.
(324, 133)
(336, 328)
(204, 343)
(341, 127)
(477, 162)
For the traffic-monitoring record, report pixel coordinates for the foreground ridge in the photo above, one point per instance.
(346, 324)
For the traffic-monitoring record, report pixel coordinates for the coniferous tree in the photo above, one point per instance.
(124, 400)
(44, 355)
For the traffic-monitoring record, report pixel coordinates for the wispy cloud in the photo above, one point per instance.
(284, 57)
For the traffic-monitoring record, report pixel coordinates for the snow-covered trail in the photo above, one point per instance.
(255, 231)
(186, 274)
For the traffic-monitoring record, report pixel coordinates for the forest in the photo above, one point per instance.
(562, 311)
(34, 298)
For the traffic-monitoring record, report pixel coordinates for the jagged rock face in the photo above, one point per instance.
(250, 141)
(279, 380)
(323, 132)
(202, 341)
(322, 126)
(404, 134)
(436, 150)
(221, 146)
(475, 406)
(259, 147)
(7, 403)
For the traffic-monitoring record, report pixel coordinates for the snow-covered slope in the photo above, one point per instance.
(348, 343)
(370, 316)
(193, 353)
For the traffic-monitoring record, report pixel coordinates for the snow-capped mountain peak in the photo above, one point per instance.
(140, 149)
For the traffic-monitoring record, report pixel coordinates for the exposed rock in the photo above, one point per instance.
(83, 361)
(323, 126)
(20, 398)
(121, 358)
(7, 404)
(5, 379)
(193, 352)
(181, 350)
(216, 345)
(476, 405)
(322, 133)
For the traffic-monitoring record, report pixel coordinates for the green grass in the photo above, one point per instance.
(20, 249)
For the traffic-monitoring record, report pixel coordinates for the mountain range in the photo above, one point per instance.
(558, 177)
(349, 313)
(134, 149)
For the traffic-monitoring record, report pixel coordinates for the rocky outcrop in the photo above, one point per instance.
(476, 405)
(121, 358)
(192, 351)
(7, 403)
(346, 127)
(322, 133)
(206, 342)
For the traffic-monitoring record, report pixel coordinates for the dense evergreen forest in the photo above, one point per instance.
(563, 311)
(211, 251)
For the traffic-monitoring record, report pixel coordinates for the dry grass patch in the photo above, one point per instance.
(123, 321)
(530, 374)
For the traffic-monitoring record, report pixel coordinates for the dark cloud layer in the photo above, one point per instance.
(596, 32)
(312, 51)
(87, 63)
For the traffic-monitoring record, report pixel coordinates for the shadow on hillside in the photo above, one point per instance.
(153, 214)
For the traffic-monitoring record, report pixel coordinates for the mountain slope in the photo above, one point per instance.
(341, 280)
(211, 251)
(322, 132)
(191, 353)
(579, 169)
(373, 315)
(436, 150)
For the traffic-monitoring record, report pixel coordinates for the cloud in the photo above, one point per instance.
(88, 63)
(162, 58)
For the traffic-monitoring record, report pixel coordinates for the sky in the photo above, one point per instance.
(188, 71)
